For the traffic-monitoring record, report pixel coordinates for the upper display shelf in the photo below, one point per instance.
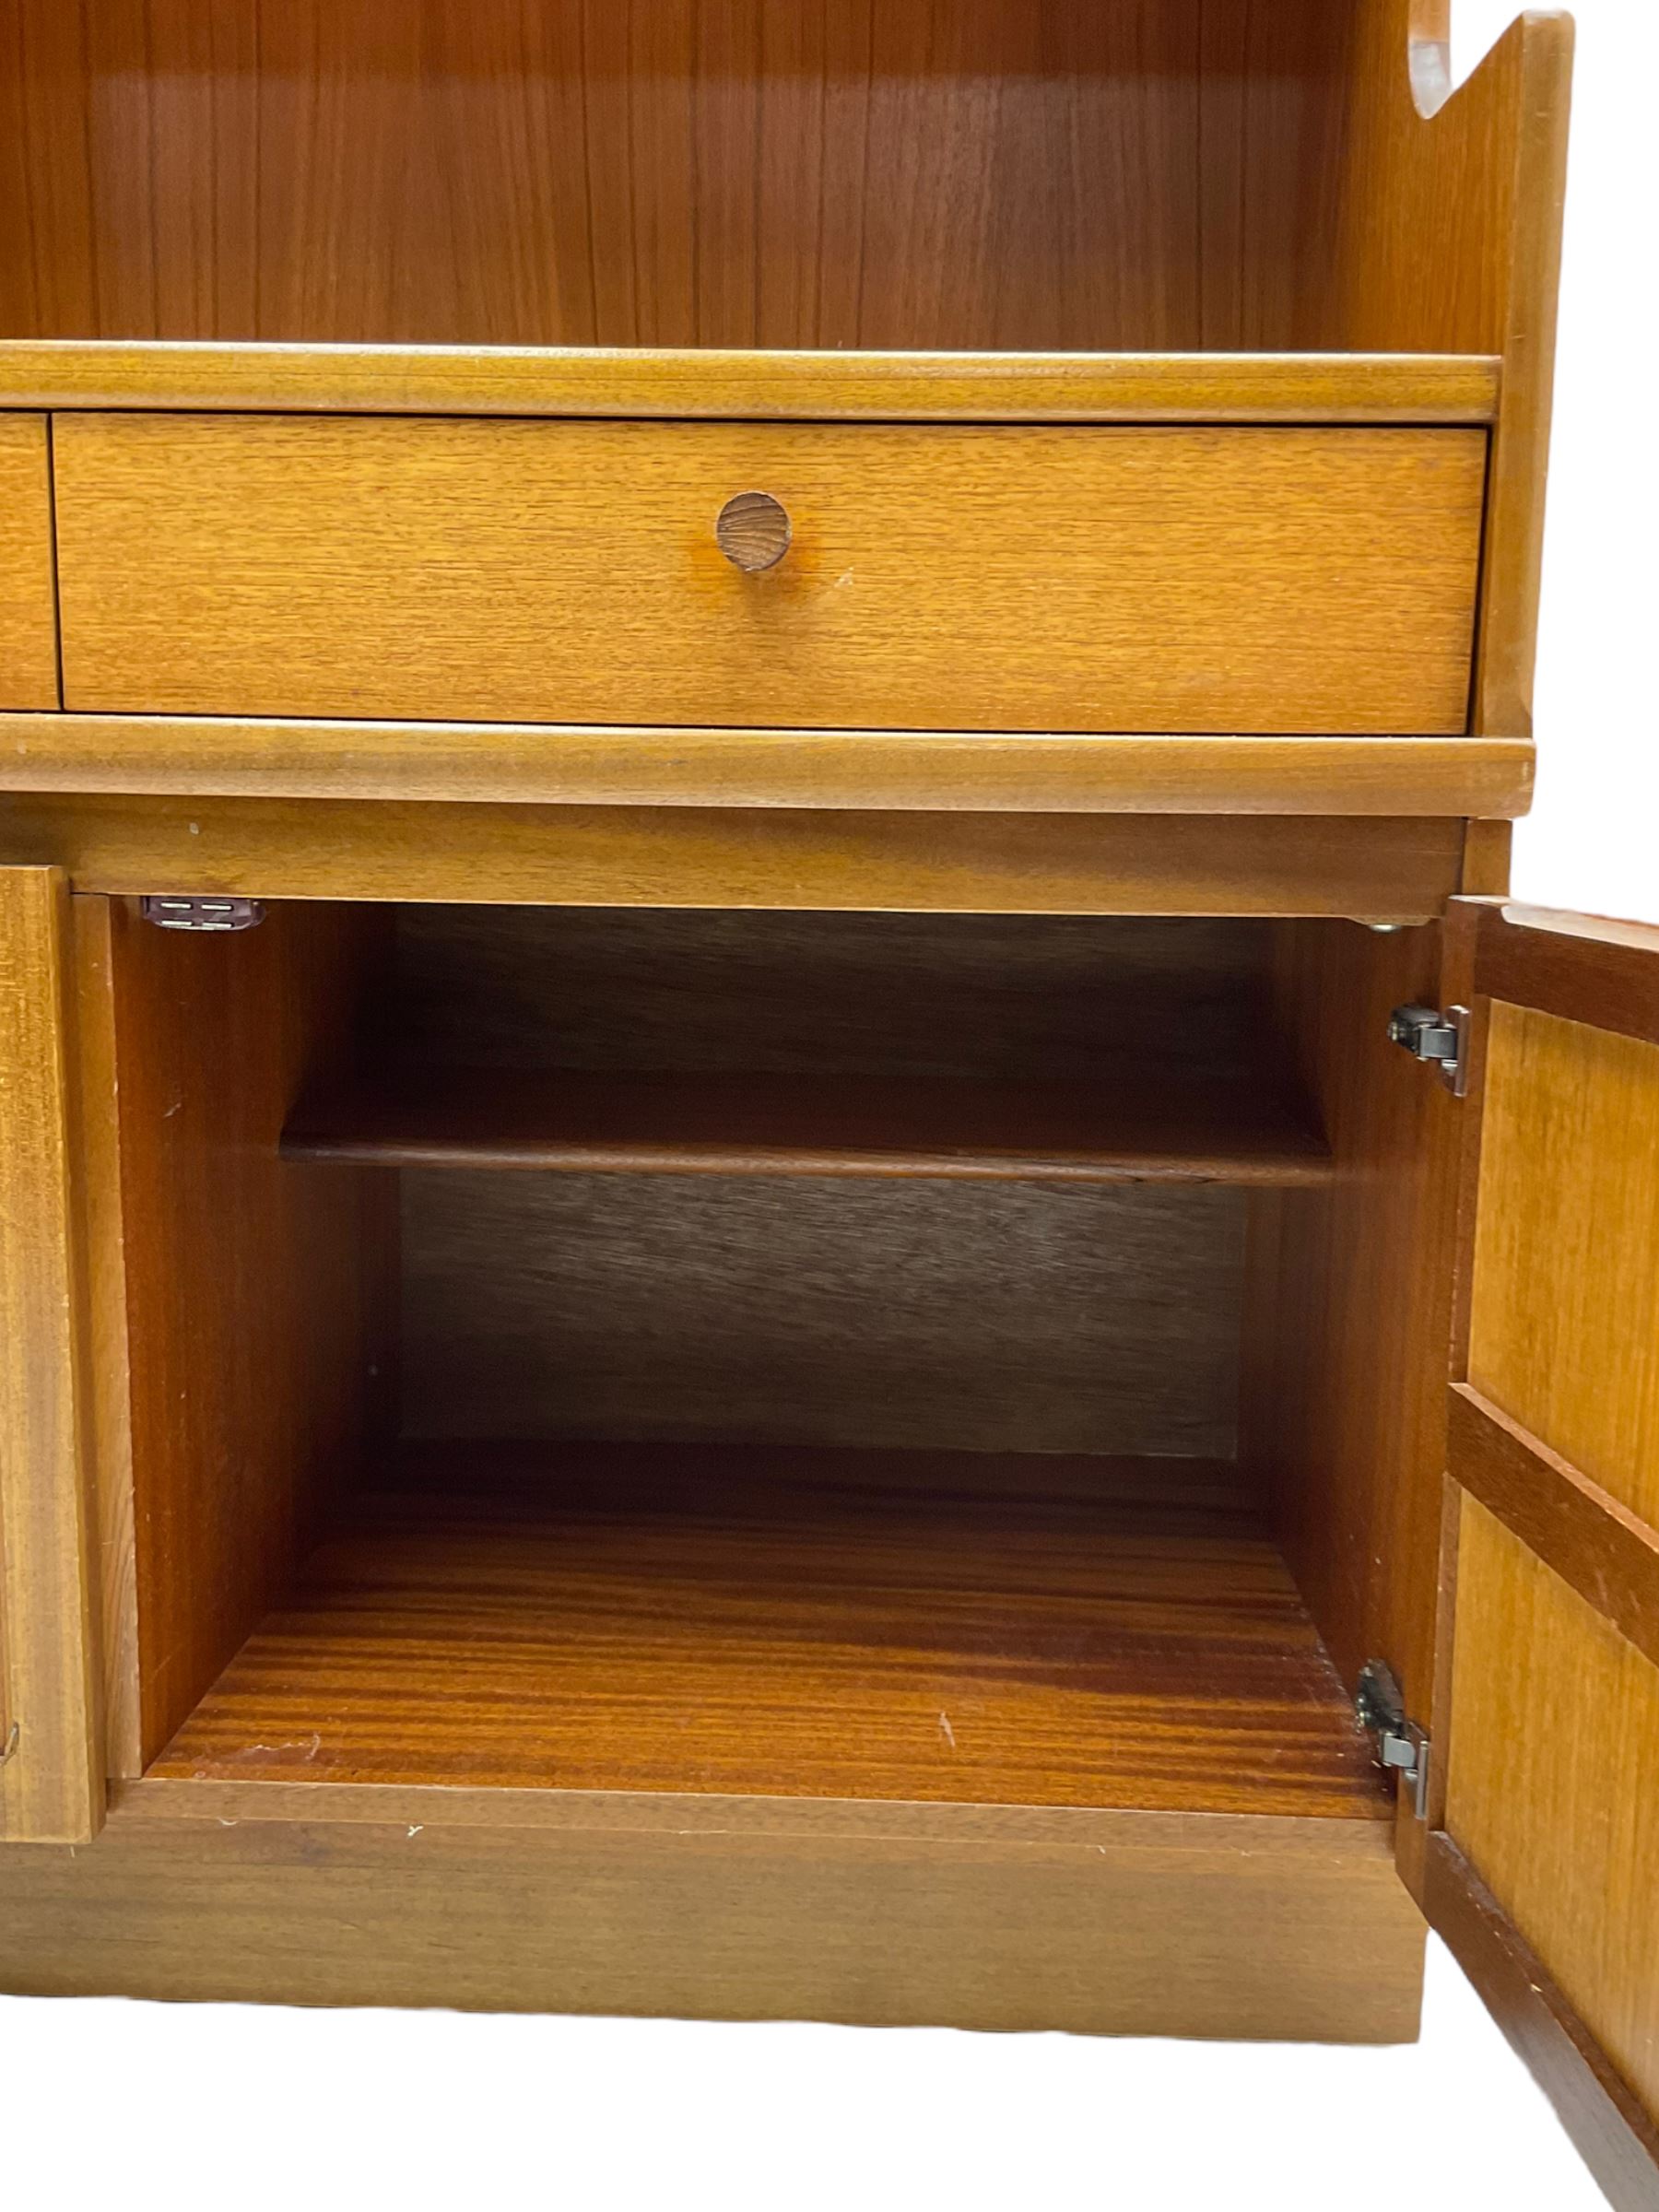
(1141, 176)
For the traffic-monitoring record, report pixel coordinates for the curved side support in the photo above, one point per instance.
(1444, 234)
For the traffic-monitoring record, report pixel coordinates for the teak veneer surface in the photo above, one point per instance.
(751, 1625)
(837, 173)
(1347, 1303)
(1565, 1299)
(709, 384)
(1192, 580)
(1550, 1789)
(992, 1316)
(1375, 868)
(983, 772)
(29, 636)
(51, 1768)
(930, 998)
(985, 1313)
(673, 1122)
(253, 1295)
(1168, 1924)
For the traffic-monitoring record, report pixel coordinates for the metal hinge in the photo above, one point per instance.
(1402, 1746)
(202, 915)
(1441, 1039)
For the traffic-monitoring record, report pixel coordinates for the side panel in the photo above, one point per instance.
(258, 1295)
(51, 1780)
(1348, 1304)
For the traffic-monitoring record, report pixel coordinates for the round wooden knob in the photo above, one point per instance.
(752, 531)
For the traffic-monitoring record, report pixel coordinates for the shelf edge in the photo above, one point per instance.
(714, 384)
(906, 771)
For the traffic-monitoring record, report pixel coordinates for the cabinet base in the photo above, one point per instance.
(1191, 1925)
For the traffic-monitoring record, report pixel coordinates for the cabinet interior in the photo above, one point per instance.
(759, 1354)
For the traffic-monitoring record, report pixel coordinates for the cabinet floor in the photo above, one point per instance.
(951, 1629)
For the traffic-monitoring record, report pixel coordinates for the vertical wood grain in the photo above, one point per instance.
(1564, 1309)
(28, 642)
(1444, 231)
(257, 1296)
(107, 1400)
(734, 172)
(51, 1784)
(1347, 1305)
(1553, 1782)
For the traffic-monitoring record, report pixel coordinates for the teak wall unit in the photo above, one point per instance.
(750, 1300)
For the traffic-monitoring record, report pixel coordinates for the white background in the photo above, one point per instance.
(250, 2108)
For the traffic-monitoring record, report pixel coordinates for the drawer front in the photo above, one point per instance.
(934, 577)
(29, 672)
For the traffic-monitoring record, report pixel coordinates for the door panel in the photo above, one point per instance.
(1564, 1309)
(50, 1782)
(1549, 1845)
(1553, 1785)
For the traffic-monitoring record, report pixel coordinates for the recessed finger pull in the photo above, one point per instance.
(753, 531)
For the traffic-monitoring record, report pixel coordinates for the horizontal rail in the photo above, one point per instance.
(1609, 1555)
(707, 383)
(190, 757)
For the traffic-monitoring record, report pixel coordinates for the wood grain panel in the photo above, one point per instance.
(28, 632)
(1554, 1769)
(50, 1747)
(1437, 220)
(1385, 869)
(1259, 579)
(109, 1395)
(1614, 2135)
(717, 383)
(1608, 1555)
(726, 173)
(254, 1291)
(653, 1620)
(983, 772)
(1564, 1327)
(1347, 1307)
(985, 1317)
(931, 997)
(1194, 1925)
(1581, 967)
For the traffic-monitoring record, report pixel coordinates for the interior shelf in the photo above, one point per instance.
(1141, 1129)
(920, 1627)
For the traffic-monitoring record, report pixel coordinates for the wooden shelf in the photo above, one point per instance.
(917, 1628)
(1154, 1131)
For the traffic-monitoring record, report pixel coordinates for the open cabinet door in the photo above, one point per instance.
(1542, 1861)
(50, 1766)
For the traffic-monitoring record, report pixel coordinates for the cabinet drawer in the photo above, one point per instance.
(29, 676)
(1041, 578)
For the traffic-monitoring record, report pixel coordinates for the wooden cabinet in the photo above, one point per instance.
(718, 1259)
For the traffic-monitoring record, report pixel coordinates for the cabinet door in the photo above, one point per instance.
(1541, 1866)
(51, 1780)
